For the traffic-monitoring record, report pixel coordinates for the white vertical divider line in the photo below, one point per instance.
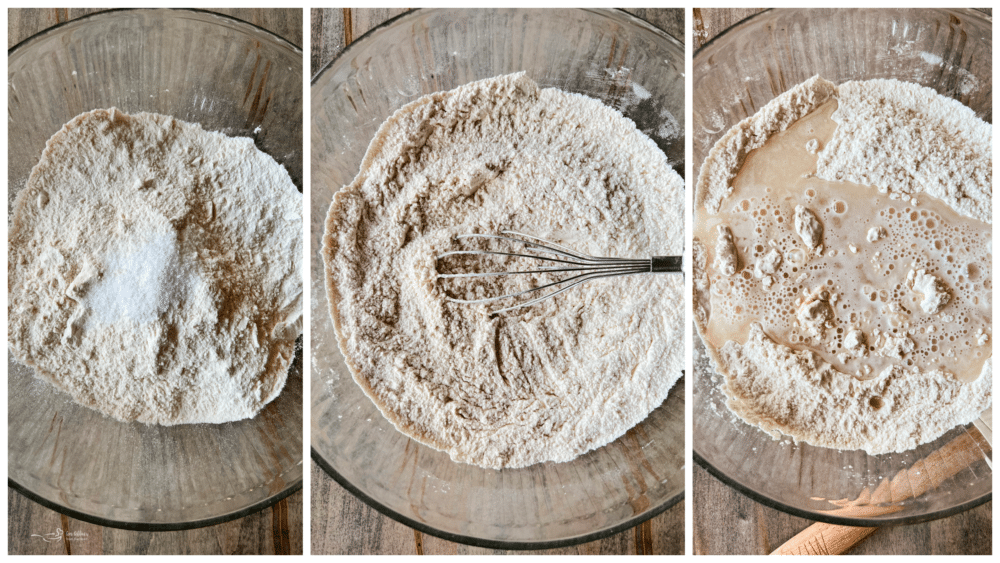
(993, 344)
(306, 268)
(4, 166)
(689, 177)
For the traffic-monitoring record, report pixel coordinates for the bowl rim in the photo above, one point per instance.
(391, 21)
(832, 519)
(294, 486)
(419, 526)
(102, 13)
(157, 526)
(761, 497)
(700, 51)
(485, 542)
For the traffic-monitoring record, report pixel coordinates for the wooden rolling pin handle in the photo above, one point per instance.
(824, 539)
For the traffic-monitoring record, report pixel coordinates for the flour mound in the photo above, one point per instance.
(546, 382)
(154, 270)
(904, 138)
(784, 391)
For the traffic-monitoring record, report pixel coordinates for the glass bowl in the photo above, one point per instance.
(229, 76)
(734, 75)
(608, 55)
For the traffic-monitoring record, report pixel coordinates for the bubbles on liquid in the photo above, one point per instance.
(918, 239)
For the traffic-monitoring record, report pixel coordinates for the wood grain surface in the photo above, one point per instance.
(275, 530)
(728, 523)
(343, 524)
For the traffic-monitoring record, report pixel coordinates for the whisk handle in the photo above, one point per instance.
(660, 264)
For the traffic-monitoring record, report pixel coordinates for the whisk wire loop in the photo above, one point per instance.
(585, 267)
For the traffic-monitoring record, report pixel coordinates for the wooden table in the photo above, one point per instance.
(342, 524)
(275, 530)
(727, 522)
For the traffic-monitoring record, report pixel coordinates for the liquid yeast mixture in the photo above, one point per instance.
(866, 280)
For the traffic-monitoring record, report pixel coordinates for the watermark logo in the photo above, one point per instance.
(58, 536)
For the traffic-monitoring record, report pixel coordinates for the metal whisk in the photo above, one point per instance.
(586, 267)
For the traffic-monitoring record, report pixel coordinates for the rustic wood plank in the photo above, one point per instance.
(668, 531)
(326, 36)
(276, 530)
(728, 522)
(283, 22)
(341, 524)
(23, 520)
(25, 22)
(332, 29)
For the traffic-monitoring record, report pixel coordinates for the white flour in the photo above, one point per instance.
(547, 382)
(907, 142)
(915, 141)
(154, 270)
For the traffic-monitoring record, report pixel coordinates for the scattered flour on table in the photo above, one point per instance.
(546, 382)
(154, 270)
(905, 142)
